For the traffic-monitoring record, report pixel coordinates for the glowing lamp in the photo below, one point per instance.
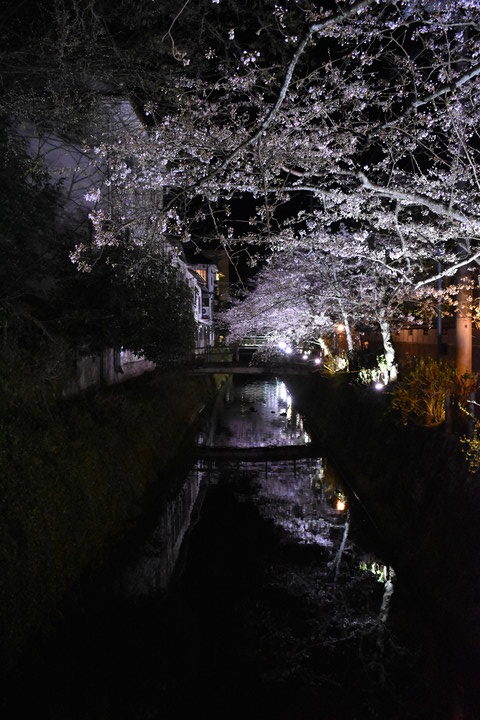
(340, 504)
(379, 386)
(317, 361)
(288, 350)
(340, 327)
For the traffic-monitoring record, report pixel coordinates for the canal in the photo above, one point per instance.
(261, 590)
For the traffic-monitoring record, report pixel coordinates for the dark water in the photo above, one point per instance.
(261, 592)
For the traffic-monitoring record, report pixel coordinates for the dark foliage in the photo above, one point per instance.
(130, 299)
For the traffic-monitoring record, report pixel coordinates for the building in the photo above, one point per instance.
(425, 341)
(205, 276)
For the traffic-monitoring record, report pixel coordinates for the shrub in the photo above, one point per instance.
(380, 372)
(335, 363)
(471, 448)
(423, 390)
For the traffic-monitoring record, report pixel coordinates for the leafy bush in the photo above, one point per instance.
(471, 448)
(379, 373)
(465, 385)
(423, 390)
(335, 363)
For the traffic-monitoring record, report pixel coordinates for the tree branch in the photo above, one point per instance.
(267, 121)
(448, 271)
(414, 199)
(444, 90)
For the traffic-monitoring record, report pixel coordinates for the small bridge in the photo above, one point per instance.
(225, 359)
(235, 369)
(258, 454)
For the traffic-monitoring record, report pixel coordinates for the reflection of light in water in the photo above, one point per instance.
(380, 571)
(286, 398)
(286, 496)
(304, 436)
(318, 476)
(301, 500)
(259, 414)
(341, 502)
(385, 574)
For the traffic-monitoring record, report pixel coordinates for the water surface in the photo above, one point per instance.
(258, 593)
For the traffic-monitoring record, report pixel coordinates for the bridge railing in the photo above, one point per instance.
(212, 355)
(253, 341)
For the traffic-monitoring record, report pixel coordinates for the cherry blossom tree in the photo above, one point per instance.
(364, 144)
(350, 127)
(289, 304)
(304, 294)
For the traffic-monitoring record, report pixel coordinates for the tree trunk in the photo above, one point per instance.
(348, 332)
(324, 346)
(346, 325)
(388, 349)
(338, 557)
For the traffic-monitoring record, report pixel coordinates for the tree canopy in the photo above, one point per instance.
(349, 129)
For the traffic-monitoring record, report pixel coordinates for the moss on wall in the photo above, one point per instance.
(75, 478)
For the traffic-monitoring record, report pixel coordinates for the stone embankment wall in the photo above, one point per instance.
(77, 475)
(109, 367)
(151, 568)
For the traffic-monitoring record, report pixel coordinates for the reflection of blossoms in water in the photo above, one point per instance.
(258, 413)
(298, 496)
(295, 495)
(286, 495)
(307, 531)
